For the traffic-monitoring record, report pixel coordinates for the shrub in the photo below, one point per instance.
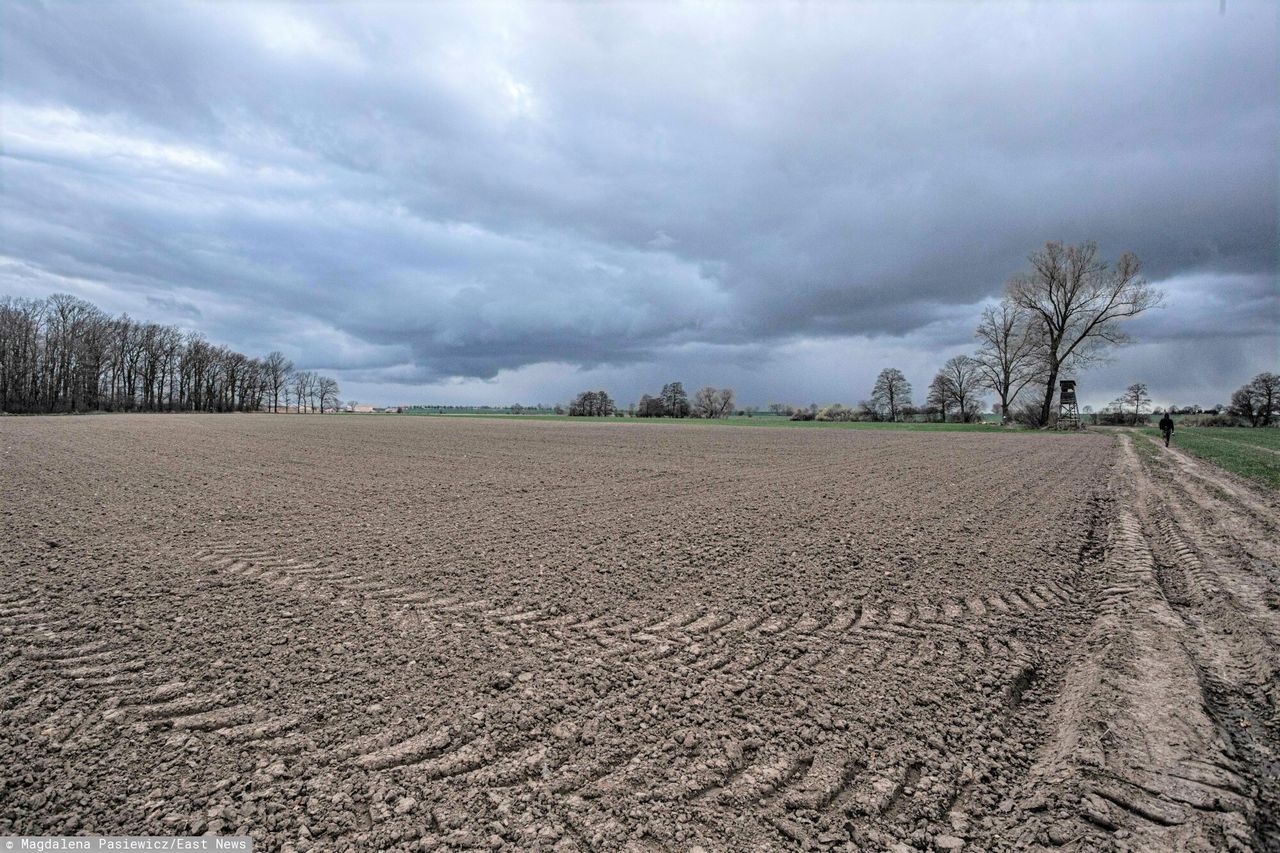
(836, 412)
(1211, 420)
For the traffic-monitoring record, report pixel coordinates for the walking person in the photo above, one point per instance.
(1166, 427)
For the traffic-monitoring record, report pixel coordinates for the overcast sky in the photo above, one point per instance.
(489, 203)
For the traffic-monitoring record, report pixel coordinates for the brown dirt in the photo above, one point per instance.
(354, 633)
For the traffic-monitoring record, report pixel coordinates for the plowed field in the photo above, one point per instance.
(368, 633)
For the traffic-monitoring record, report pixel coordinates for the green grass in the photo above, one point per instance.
(757, 421)
(1268, 437)
(1251, 453)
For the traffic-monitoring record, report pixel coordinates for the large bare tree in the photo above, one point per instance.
(1076, 304)
(939, 396)
(1266, 386)
(302, 382)
(1258, 400)
(327, 390)
(1007, 352)
(892, 392)
(277, 369)
(963, 379)
(712, 402)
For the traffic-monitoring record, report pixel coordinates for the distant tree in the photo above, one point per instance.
(1075, 304)
(301, 384)
(1007, 355)
(592, 404)
(1257, 401)
(675, 402)
(836, 412)
(1244, 404)
(712, 402)
(1136, 398)
(650, 407)
(725, 403)
(781, 409)
(964, 380)
(277, 369)
(704, 402)
(327, 391)
(940, 396)
(517, 409)
(867, 411)
(1264, 390)
(892, 391)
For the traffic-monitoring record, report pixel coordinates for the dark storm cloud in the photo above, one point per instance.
(427, 194)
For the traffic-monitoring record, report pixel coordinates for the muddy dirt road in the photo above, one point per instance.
(404, 633)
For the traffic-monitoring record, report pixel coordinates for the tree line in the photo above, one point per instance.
(671, 402)
(955, 389)
(1255, 404)
(63, 354)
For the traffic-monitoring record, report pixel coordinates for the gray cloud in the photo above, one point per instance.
(507, 201)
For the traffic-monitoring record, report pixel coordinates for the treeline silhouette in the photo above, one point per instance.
(63, 354)
(672, 402)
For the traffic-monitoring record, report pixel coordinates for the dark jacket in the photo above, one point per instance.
(1166, 423)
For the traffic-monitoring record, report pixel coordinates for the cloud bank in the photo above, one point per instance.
(497, 203)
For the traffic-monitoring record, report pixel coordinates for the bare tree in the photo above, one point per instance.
(712, 402)
(592, 404)
(650, 407)
(1266, 388)
(1136, 396)
(301, 382)
(277, 369)
(1076, 303)
(940, 396)
(1257, 400)
(704, 402)
(1244, 404)
(964, 378)
(892, 392)
(725, 403)
(1007, 352)
(327, 390)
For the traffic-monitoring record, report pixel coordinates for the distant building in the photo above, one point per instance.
(362, 408)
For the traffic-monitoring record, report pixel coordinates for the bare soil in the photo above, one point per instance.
(401, 633)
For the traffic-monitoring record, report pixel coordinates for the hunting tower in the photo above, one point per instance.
(1068, 408)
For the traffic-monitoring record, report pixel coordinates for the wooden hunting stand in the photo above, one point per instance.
(1068, 409)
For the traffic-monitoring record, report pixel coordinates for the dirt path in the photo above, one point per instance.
(1167, 726)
